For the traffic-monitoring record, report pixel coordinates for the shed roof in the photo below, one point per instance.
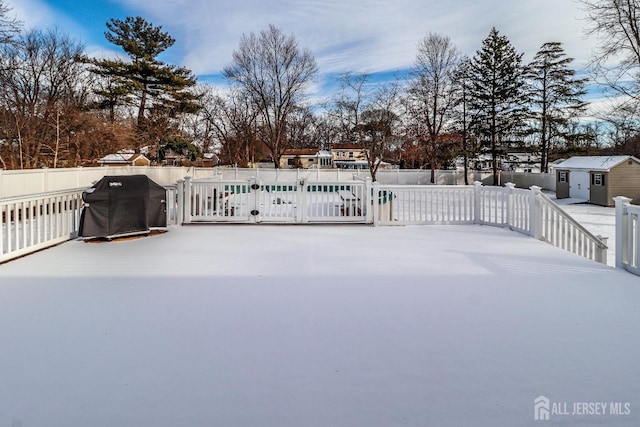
(594, 163)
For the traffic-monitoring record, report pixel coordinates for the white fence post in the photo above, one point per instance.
(180, 202)
(510, 218)
(301, 206)
(375, 202)
(369, 200)
(187, 199)
(477, 202)
(601, 251)
(535, 213)
(622, 231)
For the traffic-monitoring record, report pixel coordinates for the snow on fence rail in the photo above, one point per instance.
(627, 235)
(31, 223)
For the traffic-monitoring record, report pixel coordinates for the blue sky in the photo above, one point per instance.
(372, 36)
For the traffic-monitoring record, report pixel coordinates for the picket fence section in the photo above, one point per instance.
(361, 201)
(31, 223)
(627, 235)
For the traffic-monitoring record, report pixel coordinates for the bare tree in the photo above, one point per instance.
(617, 59)
(379, 125)
(366, 115)
(351, 101)
(274, 73)
(40, 76)
(232, 119)
(9, 27)
(432, 97)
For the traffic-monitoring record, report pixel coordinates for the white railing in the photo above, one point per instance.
(627, 235)
(526, 211)
(31, 223)
(554, 226)
(423, 204)
(34, 222)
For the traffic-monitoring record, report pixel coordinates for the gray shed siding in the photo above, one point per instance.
(599, 195)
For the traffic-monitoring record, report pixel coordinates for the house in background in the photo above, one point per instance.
(349, 156)
(598, 179)
(305, 158)
(125, 158)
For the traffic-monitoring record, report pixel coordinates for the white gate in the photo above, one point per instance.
(282, 202)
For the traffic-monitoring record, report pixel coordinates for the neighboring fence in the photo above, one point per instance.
(14, 183)
(391, 176)
(31, 223)
(627, 235)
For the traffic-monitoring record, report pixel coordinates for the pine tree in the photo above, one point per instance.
(555, 95)
(497, 92)
(144, 77)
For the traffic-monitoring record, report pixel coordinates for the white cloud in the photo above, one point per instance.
(359, 35)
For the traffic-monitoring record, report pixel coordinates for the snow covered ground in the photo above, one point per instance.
(263, 325)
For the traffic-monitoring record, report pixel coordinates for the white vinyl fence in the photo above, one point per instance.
(258, 201)
(526, 211)
(14, 183)
(31, 223)
(39, 221)
(627, 235)
(361, 201)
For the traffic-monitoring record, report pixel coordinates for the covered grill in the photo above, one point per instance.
(119, 206)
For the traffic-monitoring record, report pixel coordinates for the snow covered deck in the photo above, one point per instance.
(263, 325)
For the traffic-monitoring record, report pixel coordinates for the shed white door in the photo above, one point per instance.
(579, 185)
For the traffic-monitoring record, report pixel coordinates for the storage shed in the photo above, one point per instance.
(598, 179)
(125, 205)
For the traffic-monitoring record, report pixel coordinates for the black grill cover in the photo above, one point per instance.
(122, 205)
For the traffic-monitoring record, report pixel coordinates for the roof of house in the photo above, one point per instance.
(347, 146)
(594, 163)
(122, 156)
(312, 152)
(300, 152)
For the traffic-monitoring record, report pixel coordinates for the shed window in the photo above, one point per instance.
(597, 179)
(562, 176)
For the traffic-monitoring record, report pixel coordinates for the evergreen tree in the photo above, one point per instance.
(153, 83)
(497, 92)
(463, 116)
(555, 95)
